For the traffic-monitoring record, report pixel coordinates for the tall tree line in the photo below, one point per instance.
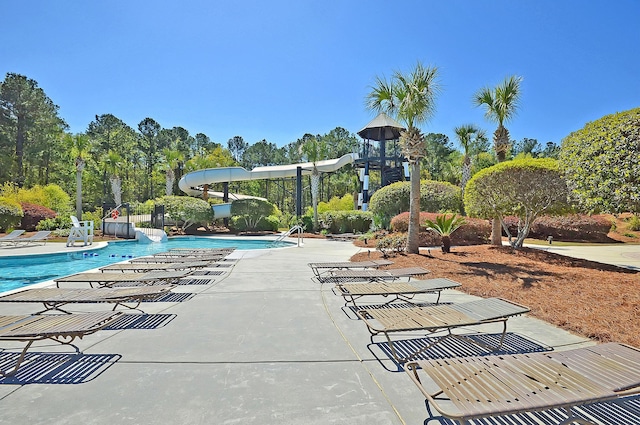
(117, 162)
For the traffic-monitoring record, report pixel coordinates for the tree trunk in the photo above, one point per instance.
(413, 242)
(116, 188)
(496, 232)
(79, 195)
(315, 183)
(79, 168)
(20, 136)
(501, 145)
(170, 178)
(446, 244)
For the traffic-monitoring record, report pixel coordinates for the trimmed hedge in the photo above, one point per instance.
(600, 162)
(572, 228)
(354, 221)
(475, 232)
(567, 228)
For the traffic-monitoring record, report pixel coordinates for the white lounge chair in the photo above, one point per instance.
(11, 237)
(40, 236)
(80, 231)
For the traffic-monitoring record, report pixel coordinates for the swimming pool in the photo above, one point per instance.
(20, 271)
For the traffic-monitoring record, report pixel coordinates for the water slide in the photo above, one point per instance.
(191, 183)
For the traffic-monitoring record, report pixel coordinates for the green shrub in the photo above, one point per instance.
(392, 245)
(58, 222)
(354, 221)
(390, 201)
(633, 223)
(440, 197)
(143, 207)
(337, 204)
(394, 199)
(265, 224)
(307, 222)
(51, 196)
(270, 223)
(186, 211)
(526, 188)
(253, 215)
(10, 213)
(95, 216)
(600, 162)
(9, 190)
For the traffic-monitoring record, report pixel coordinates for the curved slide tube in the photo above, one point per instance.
(191, 182)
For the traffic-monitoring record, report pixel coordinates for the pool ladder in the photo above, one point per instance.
(297, 229)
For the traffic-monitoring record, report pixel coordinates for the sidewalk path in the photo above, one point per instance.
(623, 255)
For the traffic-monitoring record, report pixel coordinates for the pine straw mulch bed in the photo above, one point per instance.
(590, 299)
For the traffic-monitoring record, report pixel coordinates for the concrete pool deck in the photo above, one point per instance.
(262, 344)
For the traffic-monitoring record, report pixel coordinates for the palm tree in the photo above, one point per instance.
(315, 150)
(79, 145)
(112, 162)
(171, 159)
(411, 99)
(445, 226)
(465, 134)
(501, 105)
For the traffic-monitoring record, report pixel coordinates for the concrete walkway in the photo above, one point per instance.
(622, 255)
(263, 344)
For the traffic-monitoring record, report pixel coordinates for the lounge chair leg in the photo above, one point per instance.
(415, 353)
(135, 307)
(18, 362)
(504, 332)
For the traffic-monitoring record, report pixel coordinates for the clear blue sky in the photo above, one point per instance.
(277, 69)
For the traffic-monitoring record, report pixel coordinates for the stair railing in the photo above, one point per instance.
(298, 229)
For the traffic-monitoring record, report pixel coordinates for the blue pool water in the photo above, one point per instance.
(18, 272)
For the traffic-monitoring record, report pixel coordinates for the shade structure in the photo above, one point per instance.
(382, 127)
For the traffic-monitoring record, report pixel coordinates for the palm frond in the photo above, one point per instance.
(445, 225)
(420, 89)
(382, 97)
(463, 134)
(508, 97)
(486, 97)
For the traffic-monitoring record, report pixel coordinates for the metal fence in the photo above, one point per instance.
(123, 221)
